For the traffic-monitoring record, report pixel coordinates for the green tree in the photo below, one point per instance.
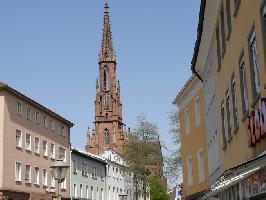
(157, 190)
(137, 150)
(173, 161)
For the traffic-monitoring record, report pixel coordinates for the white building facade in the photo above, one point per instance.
(118, 183)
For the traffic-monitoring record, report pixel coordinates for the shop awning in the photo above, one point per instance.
(235, 175)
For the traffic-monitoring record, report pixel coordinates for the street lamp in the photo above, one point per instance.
(59, 170)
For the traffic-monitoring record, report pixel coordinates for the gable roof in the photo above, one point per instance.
(5, 87)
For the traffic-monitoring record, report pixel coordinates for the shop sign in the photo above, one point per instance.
(256, 124)
(255, 184)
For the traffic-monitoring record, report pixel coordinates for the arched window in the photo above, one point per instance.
(106, 136)
(106, 82)
(106, 101)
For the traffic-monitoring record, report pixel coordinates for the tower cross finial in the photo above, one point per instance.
(107, 52)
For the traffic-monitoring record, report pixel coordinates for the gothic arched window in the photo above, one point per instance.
(106, 101)
(106, 136)
(106, 82)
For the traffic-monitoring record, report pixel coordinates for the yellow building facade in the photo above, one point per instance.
(190, 101)
(237, 38)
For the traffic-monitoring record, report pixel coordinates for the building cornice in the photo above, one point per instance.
(5, 87)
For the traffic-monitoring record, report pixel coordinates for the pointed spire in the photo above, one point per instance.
(88, 136)
(107, 52)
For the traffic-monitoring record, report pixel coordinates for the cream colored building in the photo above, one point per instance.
(190, 102)
(32, 137)
(234, 32)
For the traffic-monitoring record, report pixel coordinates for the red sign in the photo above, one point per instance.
(256, 124)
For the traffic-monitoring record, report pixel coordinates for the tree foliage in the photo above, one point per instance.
(157, 190)
(173, 162)
(137, 150)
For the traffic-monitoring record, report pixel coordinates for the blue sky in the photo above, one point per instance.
(48, 51)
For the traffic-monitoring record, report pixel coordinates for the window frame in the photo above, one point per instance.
(197, 111)
(19, 145)
(36, 117)
(222, 25)
(45, 153)
(234, 102)
(36, 176)
(187, 122)
(64, 150)
(252, 44)
(18, 174)
(228, 19)
(28, 112)
(201, 167)
(29, 180)
(45, 178)
(189, 171)
(37, 151)
(19, 107)
(228, 116)
(52, 155)
(243, 86)
(30, 144)
(223, 125)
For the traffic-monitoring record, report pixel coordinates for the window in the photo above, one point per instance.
(234, 98)
(27, 174)
(84, 169)
(62, 154)
(18, 138)
(243, 85)
(223, 125)
(106, 81)
(37, 117)
(237, 3)
(94, 169)
(80, 191)
(28, 113)
(52, 151)
(218, 46)
(53, 125)
(36, 176)
(45, 177)
(222, 29)
(75, 190)
(197, 111)
(263, 11)
(63, 185)
(228, 113)
(102, 194)
(52, 179)
(45, 121)
(187, 121)
(19, 107)
(228, 17)
(102, 173)
(37, 145)
(45, 148)
(28, 142)
(255, 83)
(61, 130)
(106, 101)
(18, 171)
(87, 192)
(106, 136)
(92, 193)
(201, 166)
(189, 171)
(74, 165)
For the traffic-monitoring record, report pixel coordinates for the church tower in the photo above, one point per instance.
(109, 132)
